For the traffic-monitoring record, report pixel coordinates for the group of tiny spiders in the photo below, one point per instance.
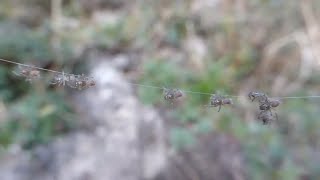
(79, 82)
(266, 104)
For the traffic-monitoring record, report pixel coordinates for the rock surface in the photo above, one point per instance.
(214, 156)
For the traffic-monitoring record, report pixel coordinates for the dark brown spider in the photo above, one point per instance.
(218, 101)
(30, 74)
(257, 95)
(172, 94)
(268, 104)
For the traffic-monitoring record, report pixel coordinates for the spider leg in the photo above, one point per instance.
(219, 108)
(64, 79)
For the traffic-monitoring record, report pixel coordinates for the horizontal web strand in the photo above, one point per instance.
(203, 93)
(35, 67)
(157, 87)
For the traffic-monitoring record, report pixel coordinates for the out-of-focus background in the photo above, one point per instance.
(120, 131)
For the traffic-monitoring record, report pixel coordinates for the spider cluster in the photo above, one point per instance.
(29, 73)
(79, 82)
(266, 105)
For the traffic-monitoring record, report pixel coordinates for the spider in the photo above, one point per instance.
(218, 101)
(28, 72)
(172, 94)
(268, 104)
(60, 79)
(257, 95)
(80, 82)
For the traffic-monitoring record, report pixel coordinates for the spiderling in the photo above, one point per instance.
(257, 96)
(218, 101)
(171, 94)
(60, 79)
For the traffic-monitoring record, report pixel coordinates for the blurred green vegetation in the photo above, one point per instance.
(36, 118)
(35, 112)
(270, 152)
